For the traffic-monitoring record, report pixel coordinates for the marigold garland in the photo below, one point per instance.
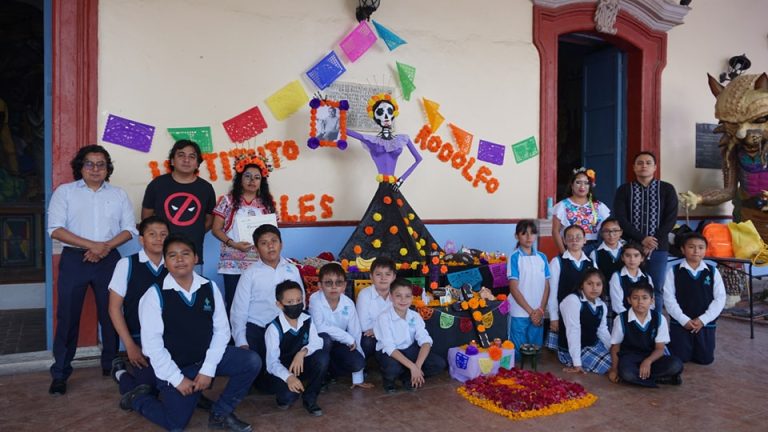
(209, 158)
(226, 166)
(154, 168)
(521, 394)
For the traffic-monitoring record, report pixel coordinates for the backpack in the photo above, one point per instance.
(719, 242)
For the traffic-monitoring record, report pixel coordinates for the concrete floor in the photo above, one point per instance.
(729, 395)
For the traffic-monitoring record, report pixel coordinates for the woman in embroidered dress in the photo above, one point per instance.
(579, 208)
(249, 196)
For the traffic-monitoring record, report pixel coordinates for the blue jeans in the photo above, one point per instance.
(172, 410)
(657, 269)
(665, 367)
(315, 367)
(392, 369)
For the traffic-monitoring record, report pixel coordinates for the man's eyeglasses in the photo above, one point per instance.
(94, 166)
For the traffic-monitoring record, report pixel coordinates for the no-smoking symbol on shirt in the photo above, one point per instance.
(182, 209)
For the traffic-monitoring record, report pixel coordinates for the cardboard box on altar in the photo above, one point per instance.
(463, 367)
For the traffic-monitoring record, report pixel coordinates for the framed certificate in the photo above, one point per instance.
(246, 225)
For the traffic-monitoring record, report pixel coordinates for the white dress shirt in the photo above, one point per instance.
(341, 324)
(617, 292)
(531, 273)
(617, 333)
(554, 281)
(570, 309)
(394, 333)
(94, 215)
(369, 306)
(673, 308)
(272, 341)
(119, 281)
(152, 327)
(255, 300)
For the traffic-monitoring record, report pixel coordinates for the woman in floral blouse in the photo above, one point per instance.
(579, 208)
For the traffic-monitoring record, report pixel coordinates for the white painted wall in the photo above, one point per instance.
(714, 31)
(199, 62)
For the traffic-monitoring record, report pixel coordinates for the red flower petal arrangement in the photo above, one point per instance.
(522, 394)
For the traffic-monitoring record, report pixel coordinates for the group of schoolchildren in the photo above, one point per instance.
(178, 337)
(640, 347)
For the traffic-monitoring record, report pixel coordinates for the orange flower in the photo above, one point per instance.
(483, 303)
(481, 329)
(464, 305)
(399, 202)
(434, 246)
(424, 269)
(477, 316)
(443, 269)
(368, 230)
(473, 303)
(501, 297)
(494, 352)
(433, 285)
(393, 230)
(508, 345)
(345, 264)
(387, 200)
(405, 266)
(435, 260)
(357, 249)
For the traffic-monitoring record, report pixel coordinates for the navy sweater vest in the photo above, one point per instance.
(570, 277)
(639, 340)
(291, 341)
(626, 287)
(590, 321)
(607, 264)
(141, 276)
(188, 325)
(694, 294)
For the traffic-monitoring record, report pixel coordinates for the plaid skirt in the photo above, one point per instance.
(595, 358)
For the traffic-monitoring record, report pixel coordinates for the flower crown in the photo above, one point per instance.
(257, 160)
(590, 173)
(381, 97)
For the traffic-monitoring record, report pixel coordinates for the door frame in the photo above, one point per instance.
(646, 51)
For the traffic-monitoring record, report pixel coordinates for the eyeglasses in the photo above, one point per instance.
(249, 176)
(574, 238)
(94, 166)
(331, 284)
(612, 232)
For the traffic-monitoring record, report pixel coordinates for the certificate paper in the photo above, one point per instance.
(246, 225)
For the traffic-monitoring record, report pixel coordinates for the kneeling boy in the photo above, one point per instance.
(403, 343)
(184, 332)
(334, 315)
(294, 351)
(637, 344)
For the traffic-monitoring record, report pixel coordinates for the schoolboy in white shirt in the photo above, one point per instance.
(335, 317)
(294, 351)
(374, 300)
(403, 343)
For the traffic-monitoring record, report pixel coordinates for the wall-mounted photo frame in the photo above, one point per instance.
(328, 123)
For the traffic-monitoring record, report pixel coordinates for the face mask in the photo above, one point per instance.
(293, 311)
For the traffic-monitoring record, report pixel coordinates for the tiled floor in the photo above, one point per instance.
(729, 395)
(22, 330)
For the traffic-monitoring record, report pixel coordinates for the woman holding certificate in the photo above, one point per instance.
(248, 202)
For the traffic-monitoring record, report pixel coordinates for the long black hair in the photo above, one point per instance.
(79, 160)
(263, 193)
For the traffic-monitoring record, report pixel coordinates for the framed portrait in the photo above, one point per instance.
(328, 123)
(16, 241)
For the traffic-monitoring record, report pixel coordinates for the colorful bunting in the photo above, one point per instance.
(462, 137)
(499, 273)
(471, 276)
(491, 152)
(486, 365)
(326, 71)
(465, 324)
(488, 320)
(446, 320)
(287, 100)
(201, 135)
(504, 307)
(525, 149)
(392, 40)
(506, 362)
(407, 74)
(128, 133)
(245, 125)
(433, 116)
(462, 360)
(357, 42)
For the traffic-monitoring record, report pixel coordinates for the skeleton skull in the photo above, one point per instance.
(384, 114)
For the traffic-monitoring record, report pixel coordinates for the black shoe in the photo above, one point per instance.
(407, 386)
(313, 409)
(204, 403)
(228, 422)
(676, 380)
(389, 387)
(283, 406)
(58, 387)
(106, 372)
(118, 364)
(126, 402)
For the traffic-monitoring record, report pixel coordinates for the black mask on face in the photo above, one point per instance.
(293, 311)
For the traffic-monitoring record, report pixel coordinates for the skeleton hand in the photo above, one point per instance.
(690, 199)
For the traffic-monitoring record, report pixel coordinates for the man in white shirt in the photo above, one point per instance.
(91, 218)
